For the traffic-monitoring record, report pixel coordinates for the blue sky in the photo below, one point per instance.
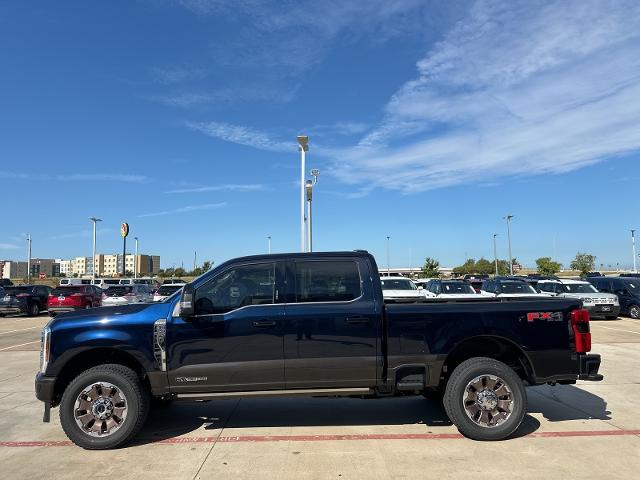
(428, 120)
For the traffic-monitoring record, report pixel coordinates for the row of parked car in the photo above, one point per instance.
(602, 296)
(34, 299)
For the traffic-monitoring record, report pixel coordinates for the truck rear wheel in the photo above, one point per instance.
(104, 407)
(485, 399)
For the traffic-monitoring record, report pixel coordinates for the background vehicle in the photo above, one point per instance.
(165, 291)
(136, 281)
(627, 289)
(75, 281)
(73, 297)
(630, 275)
(5, 282)
(598, 304)
(400, 289)
(509, 287)
(594, 274)
(321, 318)
(27, 299)
(105, 282)
(124, 294)
(172, 281)
(450, 289)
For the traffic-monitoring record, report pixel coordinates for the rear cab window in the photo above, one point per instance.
(327, 281)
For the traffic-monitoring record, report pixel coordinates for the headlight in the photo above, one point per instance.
(45, 348)
(616, 301)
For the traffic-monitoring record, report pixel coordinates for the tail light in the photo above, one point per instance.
(22, 295)
(581, 330)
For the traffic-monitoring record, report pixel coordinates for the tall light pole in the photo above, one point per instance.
(95, 221)
(303, 146)
(269, 244)
(633, 246)
(28, 258)
(308, 186)
(388, 263)
(508, 219)
(495, 253)
(135, 260)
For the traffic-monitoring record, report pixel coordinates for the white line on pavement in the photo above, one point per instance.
(19, 330)
(21, 345)
(618, 329)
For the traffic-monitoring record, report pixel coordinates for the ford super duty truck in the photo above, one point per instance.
(307, 324)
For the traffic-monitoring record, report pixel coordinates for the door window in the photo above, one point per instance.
(237, 287)
(327, 281)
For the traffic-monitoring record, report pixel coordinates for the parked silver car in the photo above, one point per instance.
(123, 294)
(599, 304)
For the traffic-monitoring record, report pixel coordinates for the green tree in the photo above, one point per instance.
(431, 268)
(546, 266)
(503, 267)
(583, 262)
(179, 272)
(467, 267)
(484, 266)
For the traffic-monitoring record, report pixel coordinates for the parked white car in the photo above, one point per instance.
(124, 294)
(598, 303)
(449, 289)
(165, 291)
(509, 287)
(400, 289)
(105, 282)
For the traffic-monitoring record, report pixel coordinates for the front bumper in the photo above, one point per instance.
(607, 310)
(45, 387)
(589, 366)
(12, 309)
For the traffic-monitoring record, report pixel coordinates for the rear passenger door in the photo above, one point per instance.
(332, 330)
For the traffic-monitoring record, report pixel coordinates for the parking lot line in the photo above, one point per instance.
(19, 330)
(618, 329)
(21, 345)
(328, 438)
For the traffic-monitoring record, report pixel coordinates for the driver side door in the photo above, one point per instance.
(234, 340)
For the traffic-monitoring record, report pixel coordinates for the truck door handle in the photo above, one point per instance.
(264, 323)
(356, 320)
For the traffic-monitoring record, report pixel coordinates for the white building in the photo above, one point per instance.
(65, 266)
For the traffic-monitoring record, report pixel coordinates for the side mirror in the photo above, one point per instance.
(186, 302)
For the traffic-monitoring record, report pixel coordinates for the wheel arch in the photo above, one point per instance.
(491, 346)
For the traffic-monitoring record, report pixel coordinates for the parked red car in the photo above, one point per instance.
(74, 297)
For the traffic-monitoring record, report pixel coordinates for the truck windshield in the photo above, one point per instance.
(398, 284)
(517, 287)
(579, 288)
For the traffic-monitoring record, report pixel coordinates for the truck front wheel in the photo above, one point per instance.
(104, 407)
(485, 399)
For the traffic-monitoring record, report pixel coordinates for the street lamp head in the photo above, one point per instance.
(303, 142)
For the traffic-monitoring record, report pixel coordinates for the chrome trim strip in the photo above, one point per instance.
(159, 343)
(277, 393)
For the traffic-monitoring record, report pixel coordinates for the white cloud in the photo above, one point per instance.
(188, 208)
(231, 187)
(515, 89)
(78, 177)
(242, 135)
(86, 233)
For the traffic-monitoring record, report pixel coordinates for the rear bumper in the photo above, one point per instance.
(45, 387)
(63, 309)
(13, 309)
(589, 366)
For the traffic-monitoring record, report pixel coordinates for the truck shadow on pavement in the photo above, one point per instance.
(183, 418)
(566, 402)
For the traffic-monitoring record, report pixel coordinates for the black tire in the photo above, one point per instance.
(611, 317)
(634, 312)
(34, 309)
(137, 406)
(458, 384)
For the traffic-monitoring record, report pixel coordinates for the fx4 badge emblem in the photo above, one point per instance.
(547, 316)
(190, 379)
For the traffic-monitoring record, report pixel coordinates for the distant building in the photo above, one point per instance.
(42, 265)
(11, 269)
(64, 267)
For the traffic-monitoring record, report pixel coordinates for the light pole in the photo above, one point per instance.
(388, 264)
(633, 246)
(495, 253)
(303, 146)
(508, 219)
(95, 221)
(269, 243)
(308, 186)
(28, 258)
(135, 260)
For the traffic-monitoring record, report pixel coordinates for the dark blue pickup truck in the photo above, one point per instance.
(306, 324)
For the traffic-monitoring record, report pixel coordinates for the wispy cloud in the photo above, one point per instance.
(78, 177)
(220, 188)
(514, 89)
(8, 246)
(338, 128)
(188, 208)
(242, 135)
(173, 74)
(86, 233)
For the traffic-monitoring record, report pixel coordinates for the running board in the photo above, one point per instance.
(314, 392)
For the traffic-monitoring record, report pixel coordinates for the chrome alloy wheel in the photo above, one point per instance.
(488, 400)
(100, 409)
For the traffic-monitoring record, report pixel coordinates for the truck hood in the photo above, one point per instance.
(131, 313)
(401, 294)
(603, 297)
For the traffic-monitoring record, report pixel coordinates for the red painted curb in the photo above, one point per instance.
(325, 438)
